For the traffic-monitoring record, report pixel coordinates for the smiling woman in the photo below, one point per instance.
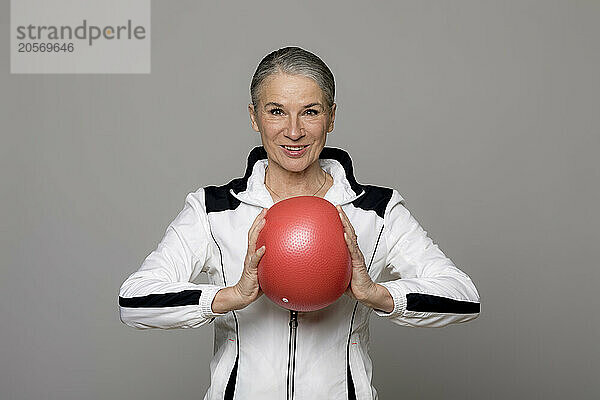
(293, 120)
(293, 109)
(264, 351)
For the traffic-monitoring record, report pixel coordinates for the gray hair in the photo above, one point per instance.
(294, 61)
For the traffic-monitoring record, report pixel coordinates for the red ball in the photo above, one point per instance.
(306, 265)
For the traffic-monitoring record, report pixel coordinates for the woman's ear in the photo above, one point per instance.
(331, 118)
(253, 118)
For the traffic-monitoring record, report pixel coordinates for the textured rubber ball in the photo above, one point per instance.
(306, 265)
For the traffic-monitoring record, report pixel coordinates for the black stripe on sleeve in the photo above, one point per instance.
(184, 298)
(431, 303)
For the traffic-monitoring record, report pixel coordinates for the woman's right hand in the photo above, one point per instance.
(247, 289)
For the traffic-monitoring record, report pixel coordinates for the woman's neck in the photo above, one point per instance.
(309, 182)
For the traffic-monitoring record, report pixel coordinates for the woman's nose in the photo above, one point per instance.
(295, 129)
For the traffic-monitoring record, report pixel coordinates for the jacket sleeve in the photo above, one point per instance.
(161, 293)
(430, 290)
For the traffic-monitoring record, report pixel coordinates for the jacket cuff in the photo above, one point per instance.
(399, 298)
(206, 298)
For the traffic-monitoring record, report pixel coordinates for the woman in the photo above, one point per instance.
(261, 350)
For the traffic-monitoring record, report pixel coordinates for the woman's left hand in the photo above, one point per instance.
(361, 285)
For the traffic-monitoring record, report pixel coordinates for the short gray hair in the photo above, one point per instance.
(294, 61)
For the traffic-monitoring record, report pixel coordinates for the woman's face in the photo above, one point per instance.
(292, 112)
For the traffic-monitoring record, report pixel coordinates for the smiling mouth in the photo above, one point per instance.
(294, 148)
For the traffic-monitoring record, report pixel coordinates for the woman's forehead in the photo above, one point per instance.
(291, 89)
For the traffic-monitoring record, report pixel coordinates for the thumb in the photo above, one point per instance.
(257, 256)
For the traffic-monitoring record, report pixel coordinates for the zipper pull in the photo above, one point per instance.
(293, 319)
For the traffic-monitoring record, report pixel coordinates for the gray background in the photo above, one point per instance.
(484, 115)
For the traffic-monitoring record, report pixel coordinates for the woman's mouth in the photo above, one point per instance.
(294, 151)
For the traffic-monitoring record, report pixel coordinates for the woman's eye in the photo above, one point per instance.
(276, 111)
(312, 112)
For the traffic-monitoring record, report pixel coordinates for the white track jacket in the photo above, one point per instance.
(266, 352)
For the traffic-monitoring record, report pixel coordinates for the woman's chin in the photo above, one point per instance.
(295, 165)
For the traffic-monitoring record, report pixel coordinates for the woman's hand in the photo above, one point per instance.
(362, 287)
(247, 289)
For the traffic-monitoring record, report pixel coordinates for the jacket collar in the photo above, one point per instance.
(335, 161)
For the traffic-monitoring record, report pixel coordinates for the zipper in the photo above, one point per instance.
(292, 354)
